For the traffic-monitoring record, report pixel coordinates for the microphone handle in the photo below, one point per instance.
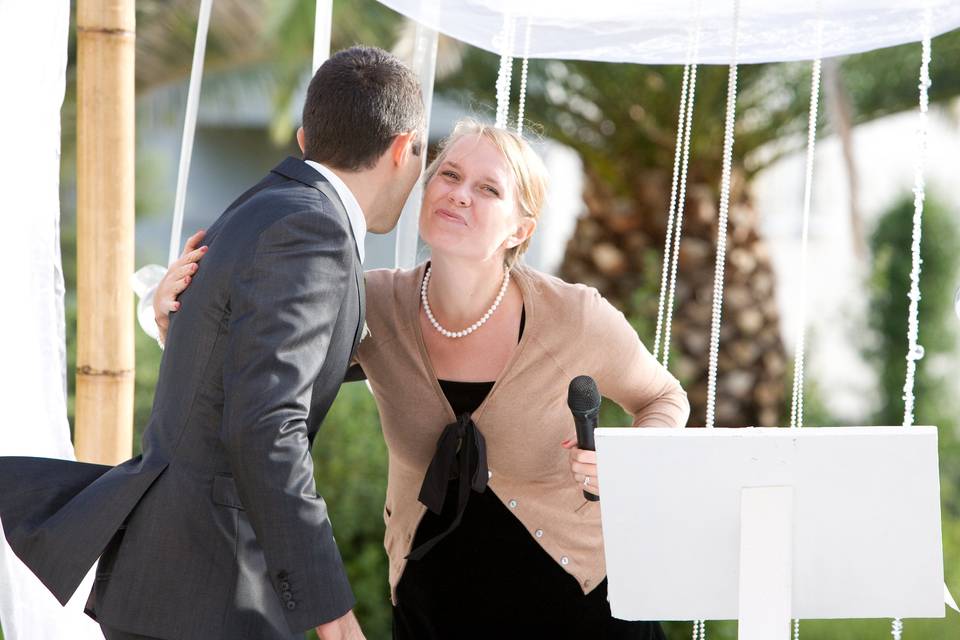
(585, 423)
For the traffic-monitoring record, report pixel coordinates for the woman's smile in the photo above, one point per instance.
(449, 216)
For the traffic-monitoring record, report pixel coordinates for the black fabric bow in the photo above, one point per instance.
(462, 454)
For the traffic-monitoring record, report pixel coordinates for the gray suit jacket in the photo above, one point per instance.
(216, 530)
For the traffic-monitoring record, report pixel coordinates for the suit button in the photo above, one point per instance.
(291, 605)
(286, 595)
(284, 586)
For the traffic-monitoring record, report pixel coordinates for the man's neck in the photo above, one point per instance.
(363, 186)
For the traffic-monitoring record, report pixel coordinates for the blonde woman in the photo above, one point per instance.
(469, 357)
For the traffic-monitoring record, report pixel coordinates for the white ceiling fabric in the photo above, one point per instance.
(659, 31)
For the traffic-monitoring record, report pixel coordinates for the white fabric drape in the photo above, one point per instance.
(656, 31)
(33, 394)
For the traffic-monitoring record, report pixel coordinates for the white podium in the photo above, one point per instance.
(763, 525)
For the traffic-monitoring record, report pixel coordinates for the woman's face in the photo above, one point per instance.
(470, 207)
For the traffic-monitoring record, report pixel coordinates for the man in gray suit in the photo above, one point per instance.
(217, 530)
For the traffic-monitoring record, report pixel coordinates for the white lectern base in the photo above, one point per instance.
(766, 563)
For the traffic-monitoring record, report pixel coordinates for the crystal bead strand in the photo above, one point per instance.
(671, 245)
(722, 222)
(682, 196)
(505, 75)
(522, 100)
(671, 215)
(914, 350)
(796, 405)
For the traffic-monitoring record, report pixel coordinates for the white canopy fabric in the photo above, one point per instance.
(33, 386)
(658, 31)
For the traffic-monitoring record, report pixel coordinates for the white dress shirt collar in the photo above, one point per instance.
(357, 222)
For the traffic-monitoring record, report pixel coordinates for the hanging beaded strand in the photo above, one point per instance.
(680, 154)
(682, 195)
(914, 350)
(522, 99)
(796, 404)
(722, 222)
(505, 75)
(671, 216)
(681, 201)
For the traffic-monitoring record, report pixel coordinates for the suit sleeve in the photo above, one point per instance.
(628, 374)
(284, 305)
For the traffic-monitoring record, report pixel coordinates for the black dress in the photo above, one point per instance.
(487, 578)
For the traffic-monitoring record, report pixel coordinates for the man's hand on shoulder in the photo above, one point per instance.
(345, 627)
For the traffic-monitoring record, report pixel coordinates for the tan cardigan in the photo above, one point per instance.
(570, 330)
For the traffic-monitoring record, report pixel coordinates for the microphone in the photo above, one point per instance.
(583, 398)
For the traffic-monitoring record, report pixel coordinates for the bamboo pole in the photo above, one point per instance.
(105, 225)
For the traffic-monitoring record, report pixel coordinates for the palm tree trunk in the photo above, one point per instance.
(840, 111)
(611, 250)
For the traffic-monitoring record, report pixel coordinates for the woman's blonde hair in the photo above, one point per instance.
(528, 170)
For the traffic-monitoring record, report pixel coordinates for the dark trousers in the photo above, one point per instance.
(116, 634)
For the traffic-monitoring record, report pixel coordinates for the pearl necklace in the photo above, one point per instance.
(476, 325)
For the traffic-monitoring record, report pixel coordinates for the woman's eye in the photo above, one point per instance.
(491, 190)
(449, 174)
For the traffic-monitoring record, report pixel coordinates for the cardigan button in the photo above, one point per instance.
(538, 533)
(564, 560)
(513, 504)
(489, 474)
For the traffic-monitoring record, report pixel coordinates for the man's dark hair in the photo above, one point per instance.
(357, 103)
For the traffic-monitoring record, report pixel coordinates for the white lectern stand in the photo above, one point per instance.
(765, 525)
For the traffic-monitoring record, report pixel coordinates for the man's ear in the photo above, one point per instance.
(301, 140)
(404, 145)
(525, 228)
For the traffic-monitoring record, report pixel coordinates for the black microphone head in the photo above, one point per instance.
(583, 394)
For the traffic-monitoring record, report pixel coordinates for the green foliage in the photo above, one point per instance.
(350, 465)
(936, 401)
(888, 309)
